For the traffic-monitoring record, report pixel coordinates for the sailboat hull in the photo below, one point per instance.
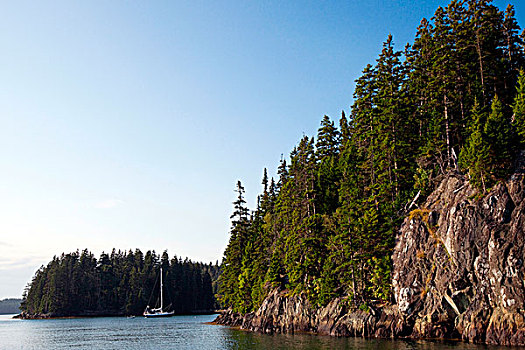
(159, 314)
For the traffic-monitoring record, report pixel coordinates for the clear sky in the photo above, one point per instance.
(126, 124)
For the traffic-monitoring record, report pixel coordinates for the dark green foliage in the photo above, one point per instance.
(490, 148)
(233, 255)
(475, 155)
(327, 228)
(120, 283)
(519, 109)
(498, 130)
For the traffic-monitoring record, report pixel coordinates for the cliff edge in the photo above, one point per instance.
(458, 264)
(458, 274)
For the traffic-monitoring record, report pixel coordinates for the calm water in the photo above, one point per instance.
(180, 332)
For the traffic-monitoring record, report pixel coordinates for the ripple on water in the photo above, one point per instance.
(179, 332)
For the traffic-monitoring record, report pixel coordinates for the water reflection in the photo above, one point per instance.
(242, 340)
(181, 332)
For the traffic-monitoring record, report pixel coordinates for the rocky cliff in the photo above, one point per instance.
(458, 264)
(281, 313)
(458, 274)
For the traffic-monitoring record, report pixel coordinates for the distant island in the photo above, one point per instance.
(117, 284)
(405, 217)
(10, 306)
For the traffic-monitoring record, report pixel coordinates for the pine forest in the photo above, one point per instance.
(453, 100)
(120, 283)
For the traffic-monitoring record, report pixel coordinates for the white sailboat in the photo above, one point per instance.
(158, 312)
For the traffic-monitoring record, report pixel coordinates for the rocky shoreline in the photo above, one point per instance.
(27, 316)
(281, 313)
(458, 274)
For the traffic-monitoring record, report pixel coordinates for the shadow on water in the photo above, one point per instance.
(181, 333)
(242, 340)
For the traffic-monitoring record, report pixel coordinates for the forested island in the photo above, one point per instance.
(119, 283)
(404, 218)
(10, 306)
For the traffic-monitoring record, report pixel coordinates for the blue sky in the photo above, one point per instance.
(127, 124)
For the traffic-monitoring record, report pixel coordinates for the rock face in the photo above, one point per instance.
(458, 264)
(458, 274)
(280, 313)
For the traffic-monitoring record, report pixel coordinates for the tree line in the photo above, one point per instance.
(454, 100)
(10, 306)
(120, 283)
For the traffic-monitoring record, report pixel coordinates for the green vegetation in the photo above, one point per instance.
(120, 283)
(326, 227)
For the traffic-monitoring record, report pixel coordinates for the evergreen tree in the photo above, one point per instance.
(512, 48)
(498, 130)
(233, 255)
(474, 156)
(519, 109)
(327, 148)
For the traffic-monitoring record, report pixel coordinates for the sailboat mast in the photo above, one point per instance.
(161, 294)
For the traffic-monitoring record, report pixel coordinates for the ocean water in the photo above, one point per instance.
(179, 332)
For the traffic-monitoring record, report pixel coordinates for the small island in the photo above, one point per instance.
(10, 306)
(118, 284)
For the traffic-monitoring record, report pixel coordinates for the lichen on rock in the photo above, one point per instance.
(478, 281)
